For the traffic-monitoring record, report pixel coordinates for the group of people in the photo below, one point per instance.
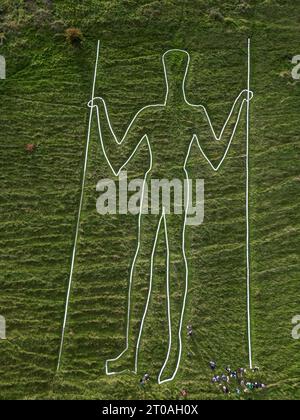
(229, 378)
(236, 378)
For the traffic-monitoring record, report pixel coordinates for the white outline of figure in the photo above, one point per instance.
(92, 106)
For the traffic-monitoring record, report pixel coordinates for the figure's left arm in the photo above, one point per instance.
(222, 142)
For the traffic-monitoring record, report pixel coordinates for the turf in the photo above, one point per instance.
(43, 101)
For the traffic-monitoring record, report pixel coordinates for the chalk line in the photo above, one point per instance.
(79, 214)
(117, 172)
(247, 212)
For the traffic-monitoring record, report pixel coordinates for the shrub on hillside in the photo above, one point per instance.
(30, 148)
(74, 36)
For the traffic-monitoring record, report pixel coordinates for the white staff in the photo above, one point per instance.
(247, 211)
(79, 214)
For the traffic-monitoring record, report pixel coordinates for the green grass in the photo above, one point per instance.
(43, 101)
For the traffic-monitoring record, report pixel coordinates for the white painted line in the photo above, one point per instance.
(163, 217)
(79, 215)
(247, 213)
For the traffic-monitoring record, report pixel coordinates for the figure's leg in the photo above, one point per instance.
(140, 288)
(177, 288)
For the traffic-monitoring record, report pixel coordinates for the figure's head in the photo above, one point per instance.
(176, 64)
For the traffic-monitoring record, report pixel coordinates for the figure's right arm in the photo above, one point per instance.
(117, 152)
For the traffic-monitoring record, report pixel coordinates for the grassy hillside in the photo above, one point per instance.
(43, 101)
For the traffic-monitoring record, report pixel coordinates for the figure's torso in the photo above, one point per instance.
(170, 133)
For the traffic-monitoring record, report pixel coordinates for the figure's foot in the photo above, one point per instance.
(168, 372)
(124, 363)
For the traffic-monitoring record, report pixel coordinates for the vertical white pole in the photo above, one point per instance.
(2, 68)
(247, 211)
(79, 214)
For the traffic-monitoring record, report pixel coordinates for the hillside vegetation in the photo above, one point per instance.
(44, 103)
